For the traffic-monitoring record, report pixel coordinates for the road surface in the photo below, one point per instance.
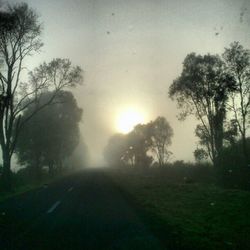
(81, 211)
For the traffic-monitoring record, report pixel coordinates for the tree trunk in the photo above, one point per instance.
(38, 172)
(161, 157)
(37, 168)
(218, 144)
(6, 184)
(245, 151)
(218, 132)
(51, 168)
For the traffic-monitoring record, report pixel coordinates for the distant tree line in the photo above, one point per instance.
(145, 144)
(25, 105)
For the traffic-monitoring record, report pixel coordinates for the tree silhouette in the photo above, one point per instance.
(139, 143)
(19, 38)
(37, 148)
(202, 90)
(161, 134)
(237, 60)
(137, 147)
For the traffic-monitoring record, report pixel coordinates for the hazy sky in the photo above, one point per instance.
(131, 51)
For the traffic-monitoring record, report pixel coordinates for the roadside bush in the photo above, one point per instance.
(233, 171)
(193, 172)
(179, 172)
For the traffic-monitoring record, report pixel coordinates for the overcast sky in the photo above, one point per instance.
(131, 51)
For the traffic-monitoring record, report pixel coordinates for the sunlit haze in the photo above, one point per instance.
(127, 119)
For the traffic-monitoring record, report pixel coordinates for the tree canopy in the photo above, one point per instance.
(51, 135)
(202, 90)
(237, 60)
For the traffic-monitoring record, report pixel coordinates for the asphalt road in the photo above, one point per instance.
(80, 211)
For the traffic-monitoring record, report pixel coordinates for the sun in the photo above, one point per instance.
(127, 119)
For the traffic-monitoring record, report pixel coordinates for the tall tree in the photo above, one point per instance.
(60, 120)
(139, 143)
(20, 32)
(237, 60)
(129, 149)
(202, 90)
(161, 137)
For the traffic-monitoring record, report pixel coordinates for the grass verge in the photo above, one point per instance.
(21, 186)
(188, 215)
(20, 189)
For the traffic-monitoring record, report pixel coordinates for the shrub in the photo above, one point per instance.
(233, 171)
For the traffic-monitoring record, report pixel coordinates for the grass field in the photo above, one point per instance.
(188, 215)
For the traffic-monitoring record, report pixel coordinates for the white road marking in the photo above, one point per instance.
(53, 207)
(70, 189)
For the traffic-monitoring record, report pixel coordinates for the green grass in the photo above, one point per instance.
(22, 186)
(20, 189)
(189, 216)
(25, 183)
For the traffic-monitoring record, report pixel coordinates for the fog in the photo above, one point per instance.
(131, 51)
(94, 153)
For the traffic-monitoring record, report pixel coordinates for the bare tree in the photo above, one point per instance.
(19, 38)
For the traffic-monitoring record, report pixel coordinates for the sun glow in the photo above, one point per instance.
(127, 119)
